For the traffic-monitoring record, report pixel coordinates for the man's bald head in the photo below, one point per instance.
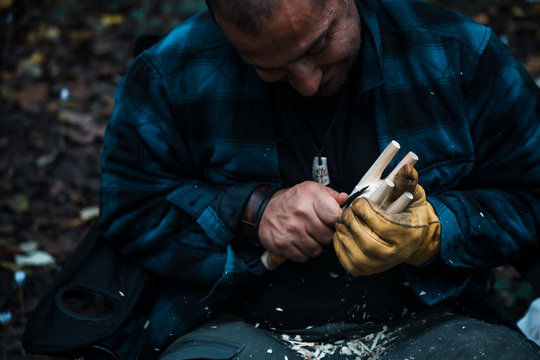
(245, 15)
(248, 15)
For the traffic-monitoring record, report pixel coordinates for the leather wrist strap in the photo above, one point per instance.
(254, 209)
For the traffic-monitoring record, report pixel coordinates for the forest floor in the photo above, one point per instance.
(60, 63)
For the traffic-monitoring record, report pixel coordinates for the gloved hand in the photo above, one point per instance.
(369, 240)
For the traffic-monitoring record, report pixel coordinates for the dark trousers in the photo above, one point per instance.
(436, 333)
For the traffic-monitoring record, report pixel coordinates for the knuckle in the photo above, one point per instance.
(315, 252)
(291, 228)
(311, 186)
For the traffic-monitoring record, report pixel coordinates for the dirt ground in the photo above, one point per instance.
(60, 63)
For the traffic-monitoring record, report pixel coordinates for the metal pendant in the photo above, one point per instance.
(320, 170)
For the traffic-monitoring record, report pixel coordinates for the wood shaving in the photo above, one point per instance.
(368, 347)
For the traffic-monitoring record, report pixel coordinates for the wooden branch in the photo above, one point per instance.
(400, 203)
(411, 159)
(374, 173)
(384, 189)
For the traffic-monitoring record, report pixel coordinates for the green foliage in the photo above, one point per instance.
(64, 8)
(147, 15)
(191, 6)
(162, 16)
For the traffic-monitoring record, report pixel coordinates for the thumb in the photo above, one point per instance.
(340, 197)
(406, 179)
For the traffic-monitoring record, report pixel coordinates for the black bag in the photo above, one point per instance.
(88, 301)
(91, 297)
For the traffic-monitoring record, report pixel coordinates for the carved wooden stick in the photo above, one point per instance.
(374, 173)
(384, 189)
(400, 203)
(372, 176)
(411, 159)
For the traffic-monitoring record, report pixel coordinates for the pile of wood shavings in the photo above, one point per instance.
(368, 347)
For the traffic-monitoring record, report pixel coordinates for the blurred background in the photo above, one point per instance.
(60, 62)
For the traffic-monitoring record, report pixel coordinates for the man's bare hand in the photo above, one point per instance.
(299, 221)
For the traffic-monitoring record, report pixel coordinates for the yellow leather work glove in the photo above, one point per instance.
(369, 240)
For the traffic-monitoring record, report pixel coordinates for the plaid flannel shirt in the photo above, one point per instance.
(191, 135)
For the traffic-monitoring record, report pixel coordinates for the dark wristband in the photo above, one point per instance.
(254, 209)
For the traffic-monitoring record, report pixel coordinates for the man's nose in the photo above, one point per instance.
(305, 77)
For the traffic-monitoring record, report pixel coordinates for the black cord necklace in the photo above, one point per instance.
(320, 172)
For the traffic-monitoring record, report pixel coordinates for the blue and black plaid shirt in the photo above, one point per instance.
(192, 135)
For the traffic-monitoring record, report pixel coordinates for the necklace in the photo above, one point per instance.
(319, 169)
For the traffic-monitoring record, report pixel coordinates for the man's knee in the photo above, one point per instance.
(459, 337)
(227, 337)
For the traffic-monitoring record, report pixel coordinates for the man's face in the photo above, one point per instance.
(311, 47)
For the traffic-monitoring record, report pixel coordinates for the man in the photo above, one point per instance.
(219, 132)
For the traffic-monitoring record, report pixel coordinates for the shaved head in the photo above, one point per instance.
(247, 15)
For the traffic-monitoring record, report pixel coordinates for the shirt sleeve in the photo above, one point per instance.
(494, 216)
(156, 206)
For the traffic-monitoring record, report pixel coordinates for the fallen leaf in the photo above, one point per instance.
(19, 203)
(57, 187)
(28, 246)
(4, 4)
(533, 65)
(8, 265)
(46, 159)
(52, 33)
(35, 258)
(481, 18)
(111, 20)
(32, 97)
(76, 223)
(43, 32)
(79, 137)
(37, 58)
(518, 12)
(31, 68)
(84, 131)
(7, 93)
(103, 46)
(81, 35)
(89, 213)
